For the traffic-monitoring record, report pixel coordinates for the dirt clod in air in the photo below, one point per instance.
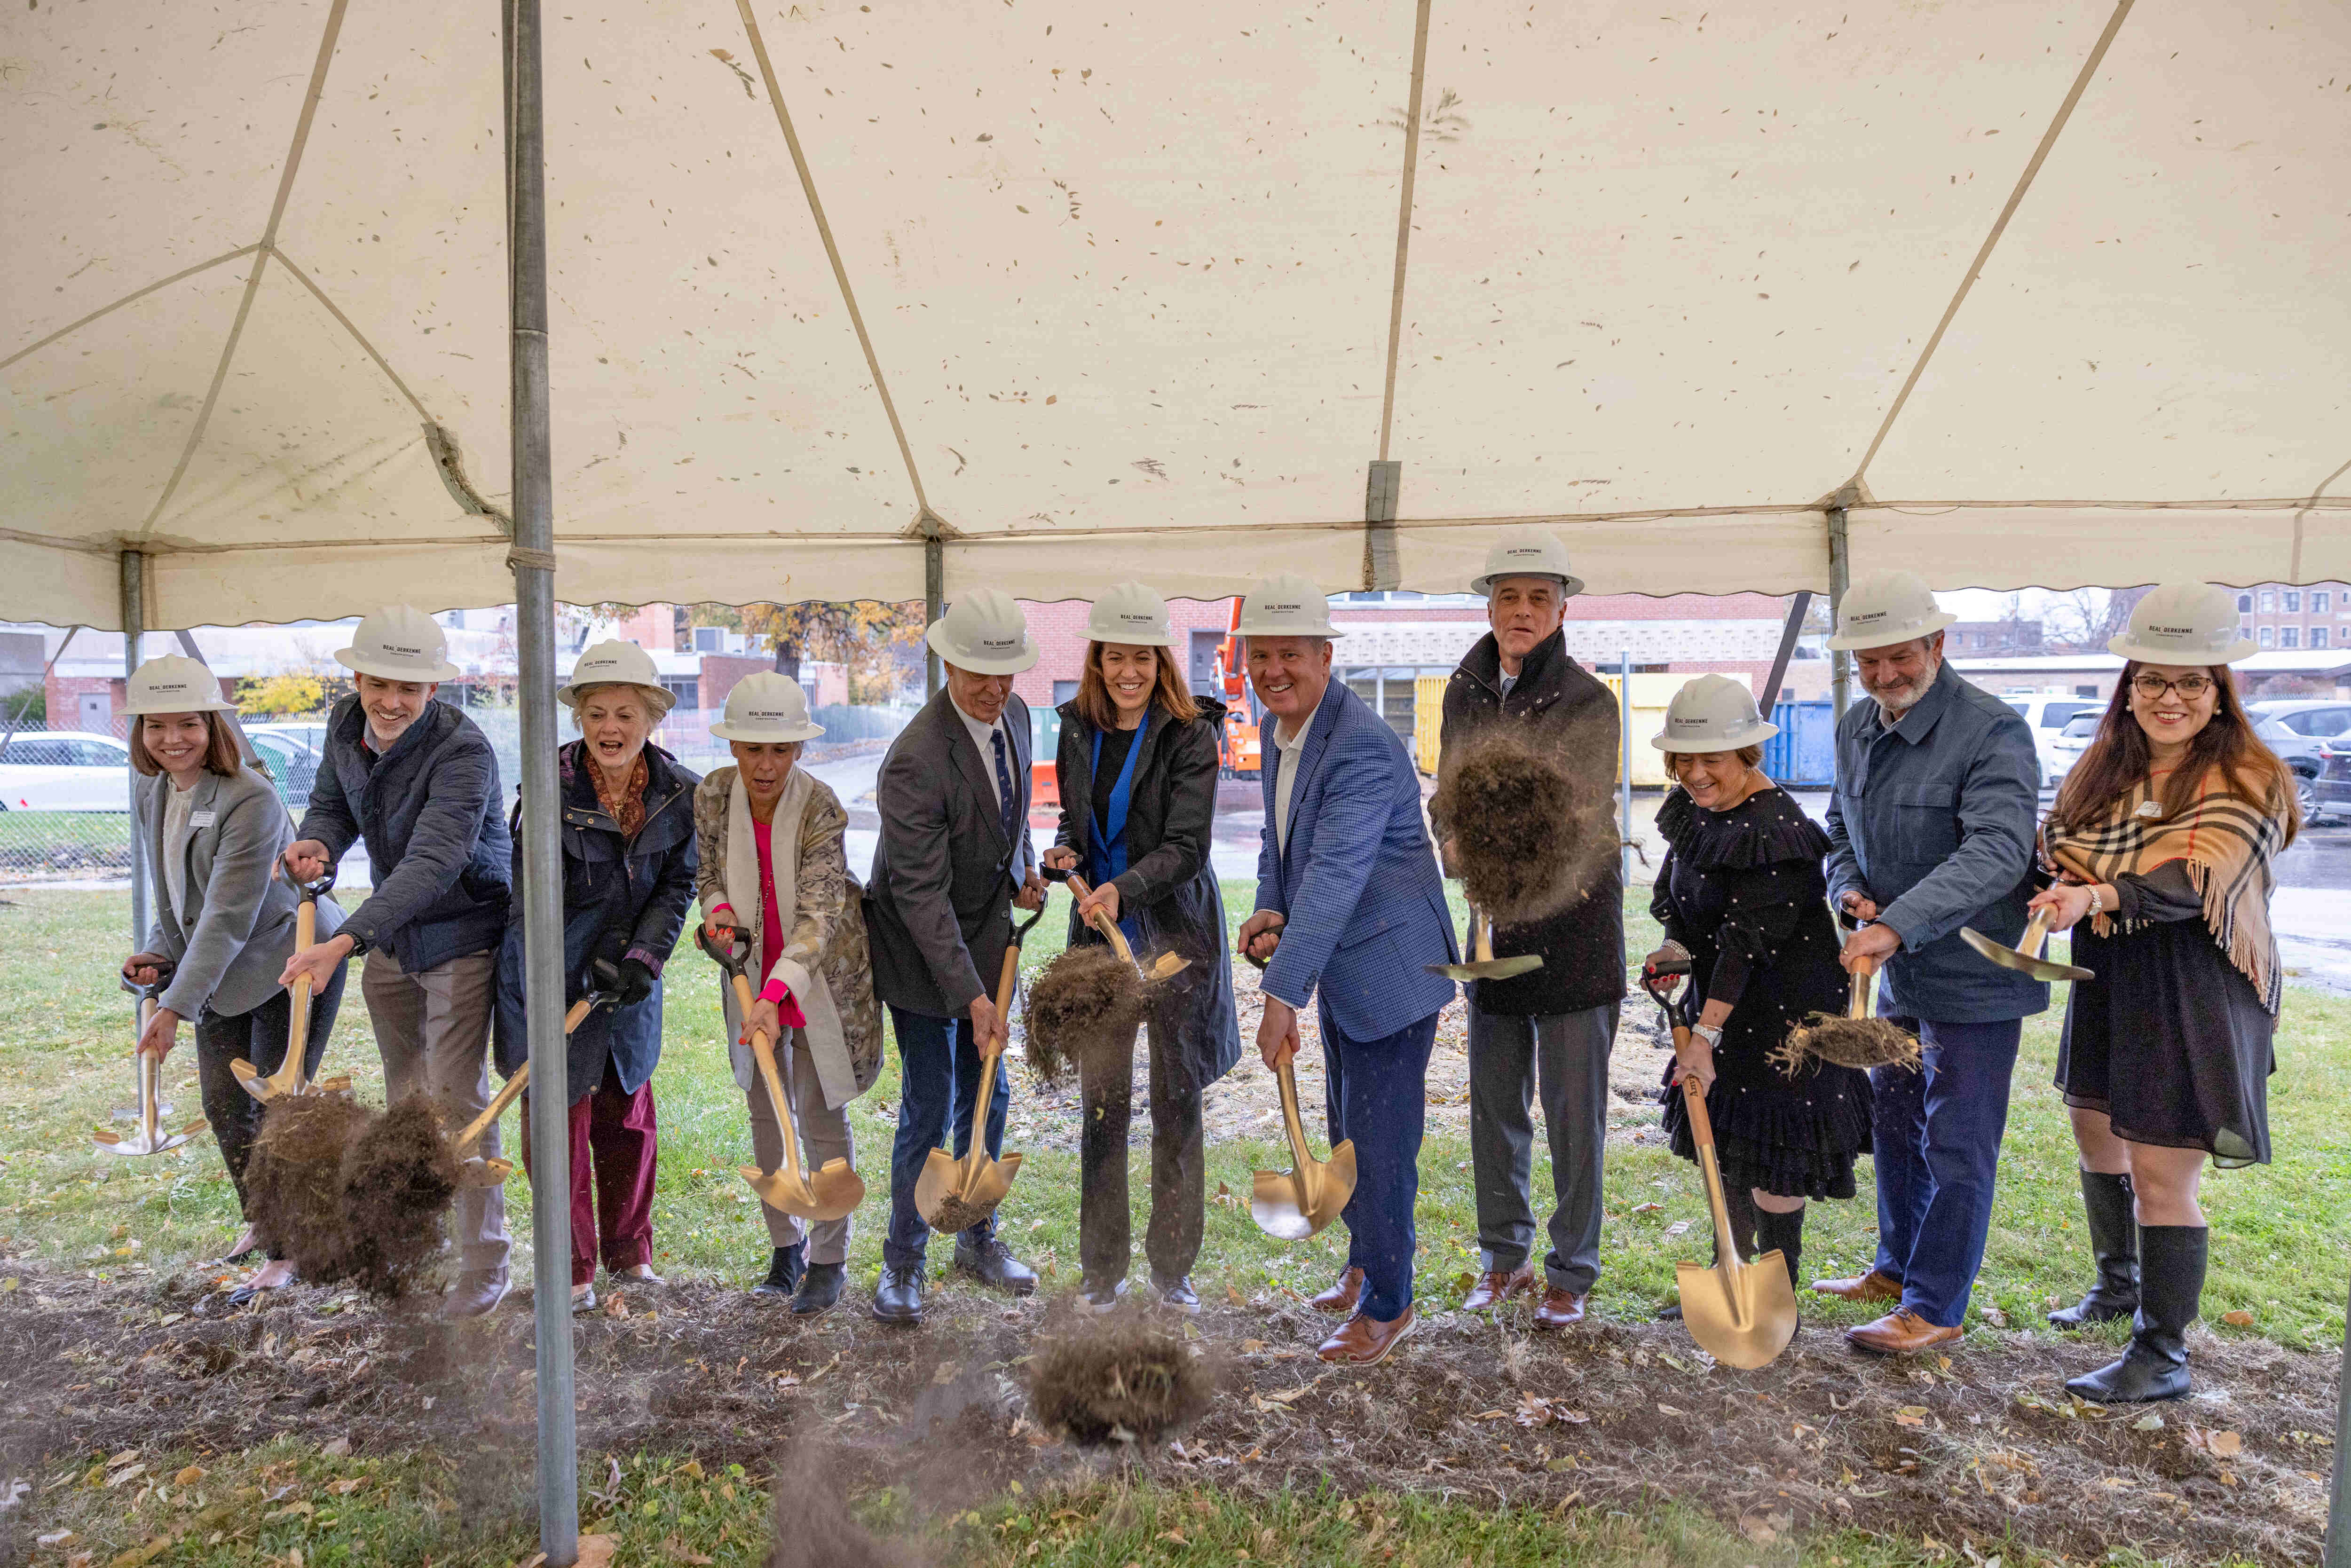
(351, 1194)
(1845, 1043)
(398, 1178)
(295, 1180)
(1083, 1008)
(1522, 843)
(954, 1214)
(1124, 1377)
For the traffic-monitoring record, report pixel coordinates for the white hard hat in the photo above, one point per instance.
(984, 632)
(1883, 607)
(1527, 552)
(617, 664)
(1131, 613)
(2183, 623)
(1713, 712)
(399, 643)
(768, 708)
(174, 684)
(1287, 605)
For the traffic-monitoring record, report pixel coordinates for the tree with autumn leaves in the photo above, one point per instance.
(863, 635)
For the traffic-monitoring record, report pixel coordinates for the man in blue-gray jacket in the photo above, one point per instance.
(1350, 913)
(416, 779)
(1930, 828)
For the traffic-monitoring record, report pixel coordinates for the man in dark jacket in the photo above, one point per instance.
(1548, 1031)
(953, 860)
(417, 781)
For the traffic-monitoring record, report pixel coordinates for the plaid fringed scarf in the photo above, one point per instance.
(2228, 843)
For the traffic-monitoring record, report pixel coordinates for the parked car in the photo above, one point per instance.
(2328, 791)
(2048, 714)
(293, 766)
(2066, 747)
(2300, 732)
(64, 770)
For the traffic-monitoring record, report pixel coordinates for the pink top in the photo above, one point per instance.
(771, 932)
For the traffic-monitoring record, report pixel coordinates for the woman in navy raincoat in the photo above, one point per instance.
(629, 863)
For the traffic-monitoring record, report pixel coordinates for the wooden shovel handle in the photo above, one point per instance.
(472, 1131)
(1481, 937)
(763, 1054)
(1101, 921)
(1702, 1128)
(1286, 1082)
(2036, 933)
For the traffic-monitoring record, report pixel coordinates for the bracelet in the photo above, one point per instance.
(1710, 1033)
(2096, 906)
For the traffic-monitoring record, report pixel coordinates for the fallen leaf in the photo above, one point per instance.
(1669, 1410)
(1647, 1208)
(2240, 1319)
(1910, 1416)
(1251, 1347)
(346, 1485)
(2225, 1445)
(1289, 1395)
(338, 1448)
(596, 1550)
(1676, 1228)
(947, 1373)
(2150, 1422)
(189, 1477)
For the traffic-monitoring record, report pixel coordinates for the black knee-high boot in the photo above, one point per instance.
(2114, 1243)
(1740, 1202)
(2171, 1284)
(1783, 1233)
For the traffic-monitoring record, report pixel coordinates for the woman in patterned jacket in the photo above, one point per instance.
(774, 866)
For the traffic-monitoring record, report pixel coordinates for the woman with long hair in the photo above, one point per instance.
(1137, 765)
(2163, 836)
(225, 926)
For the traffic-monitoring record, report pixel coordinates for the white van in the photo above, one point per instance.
(2048, 714)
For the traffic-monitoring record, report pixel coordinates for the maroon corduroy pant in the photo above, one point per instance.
(613, 1140)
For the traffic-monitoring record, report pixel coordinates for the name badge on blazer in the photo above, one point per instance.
(201, 820)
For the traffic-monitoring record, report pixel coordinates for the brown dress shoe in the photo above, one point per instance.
(1871, 1287)
(1495, 1287)
(1363, 1340)
(1900, 1334)
(1559, 1308)
(1342, 1296)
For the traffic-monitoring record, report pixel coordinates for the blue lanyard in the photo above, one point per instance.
(1110, 842)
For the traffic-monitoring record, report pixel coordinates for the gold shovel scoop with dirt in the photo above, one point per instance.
(956, 1194)
(1742, 1314)
(474, 1169)
(1168, 966)
(1483, 965)
(288, 1079)
(149, 1135)
(833, 1188)
(1293, 1204)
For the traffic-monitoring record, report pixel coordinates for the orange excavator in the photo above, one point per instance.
(1238, 757)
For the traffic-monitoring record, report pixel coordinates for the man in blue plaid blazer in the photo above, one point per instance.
(1350, 912)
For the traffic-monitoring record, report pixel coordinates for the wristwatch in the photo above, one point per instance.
(2095, 904)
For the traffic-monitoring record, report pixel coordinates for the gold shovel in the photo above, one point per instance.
(956, 1194)
(1483, 965)
(1294, 1204)
(474, 1169)
(149, 1137)
(1742, 1314)
(1166, 966)
(831, 1191)
(289, 1080)
(2025, 957)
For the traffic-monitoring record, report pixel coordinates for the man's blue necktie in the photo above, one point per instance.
(1010, 804)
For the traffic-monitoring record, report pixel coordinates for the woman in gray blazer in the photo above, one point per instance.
(213, 830)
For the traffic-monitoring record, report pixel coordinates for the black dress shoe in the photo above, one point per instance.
(898, 1295)
(1176, 1294)
(784, 1271)
(991, 1262)
(820, 1287)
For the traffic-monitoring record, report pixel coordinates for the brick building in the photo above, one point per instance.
(1995, 639)
(2311, 616)
(1058, 631)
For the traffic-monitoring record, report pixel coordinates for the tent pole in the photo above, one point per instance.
(2338, 1509)
(533, 560)
(1840, 579)
(934, 604)
(134, 623)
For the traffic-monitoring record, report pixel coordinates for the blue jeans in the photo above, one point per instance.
(1938, 1135)
(1378, 1096)
(938, 1069)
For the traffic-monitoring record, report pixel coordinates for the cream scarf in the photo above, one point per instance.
(795, 967)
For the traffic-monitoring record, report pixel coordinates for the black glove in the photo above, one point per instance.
(636, 981)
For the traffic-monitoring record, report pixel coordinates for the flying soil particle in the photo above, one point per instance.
(398, 1178)
(1122, 1378)
(1084, 1007)
(1520, 839)
(295, 1180)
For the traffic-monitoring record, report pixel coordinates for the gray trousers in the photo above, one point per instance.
(1565, 1057)
(432, 1030)
(824, 1135)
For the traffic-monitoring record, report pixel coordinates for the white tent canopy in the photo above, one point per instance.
(1127, 277)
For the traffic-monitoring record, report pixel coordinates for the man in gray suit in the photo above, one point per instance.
(954, 859)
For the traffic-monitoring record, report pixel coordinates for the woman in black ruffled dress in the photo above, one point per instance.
(1742, 888)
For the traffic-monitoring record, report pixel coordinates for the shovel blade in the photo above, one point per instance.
(2009, 957)
(941, 1178)
(782, 1189)
(1274, 1206)
(837, 1189)
(1490, 970)
(993, 1180)
(1742, 1318)
(480, 1172)
(255, 1082)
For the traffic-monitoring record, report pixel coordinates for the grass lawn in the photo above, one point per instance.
(2278, 1254)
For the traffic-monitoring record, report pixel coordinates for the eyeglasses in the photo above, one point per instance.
(2153, 686)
